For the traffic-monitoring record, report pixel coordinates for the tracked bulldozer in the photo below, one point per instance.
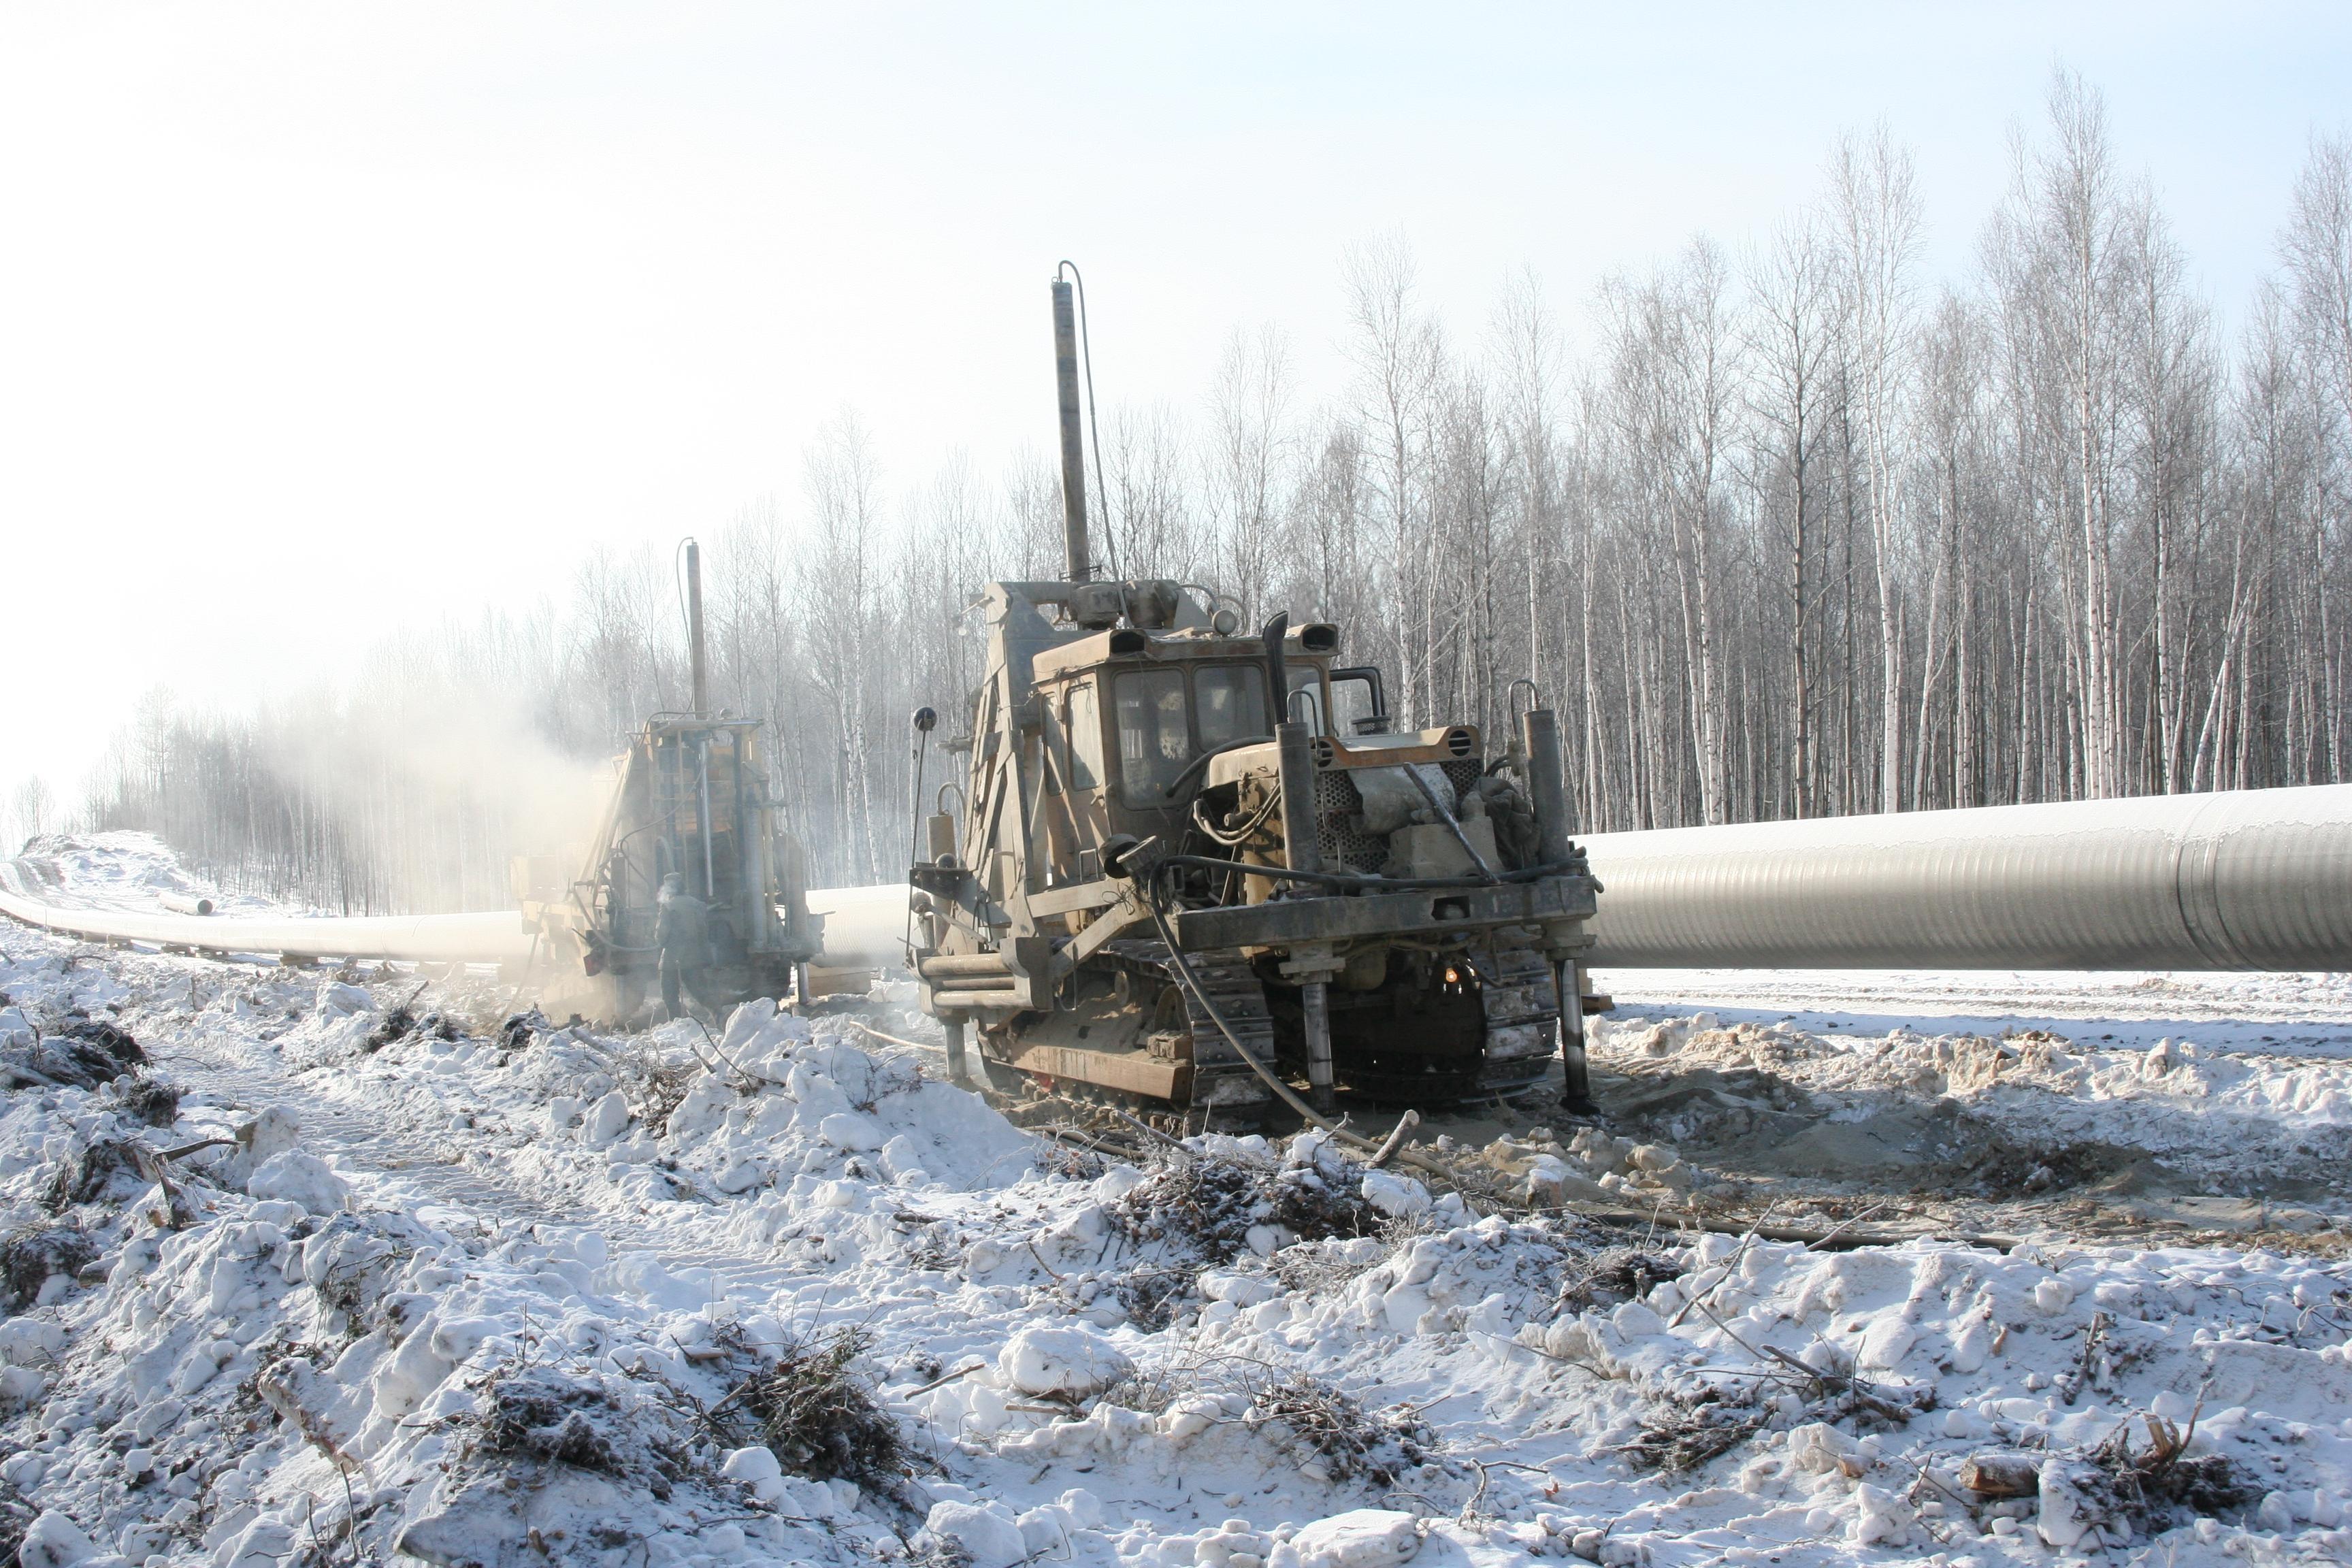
(1195, 868)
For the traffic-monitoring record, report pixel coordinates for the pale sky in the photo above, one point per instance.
(321, 318)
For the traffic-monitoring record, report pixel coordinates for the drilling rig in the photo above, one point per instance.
(691, 797)
(1195, 868)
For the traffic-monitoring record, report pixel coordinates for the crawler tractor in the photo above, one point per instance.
(1194, 868)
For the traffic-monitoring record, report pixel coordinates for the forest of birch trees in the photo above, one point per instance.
(1783, 529)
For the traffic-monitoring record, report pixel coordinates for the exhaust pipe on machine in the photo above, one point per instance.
(1548, 792)
(1076, 563)
(694, 629)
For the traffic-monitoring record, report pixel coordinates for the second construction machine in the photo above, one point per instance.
(1192, 864)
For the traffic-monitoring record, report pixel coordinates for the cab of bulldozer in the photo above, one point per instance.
(1126, 737)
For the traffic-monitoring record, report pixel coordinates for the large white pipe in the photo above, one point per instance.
(864, 929)
(2245, 879)
(496, 937)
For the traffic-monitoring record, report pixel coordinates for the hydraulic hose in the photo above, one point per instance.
(1273, 1080)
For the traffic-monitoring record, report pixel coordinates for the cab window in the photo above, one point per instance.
(1356, 702)
(1086, 738)
(1155, 735)
(1230, 701)
(1307, 699)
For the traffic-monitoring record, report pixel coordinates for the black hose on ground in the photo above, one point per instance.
(1273, 1080)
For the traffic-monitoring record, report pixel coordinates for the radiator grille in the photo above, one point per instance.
(1337, 807)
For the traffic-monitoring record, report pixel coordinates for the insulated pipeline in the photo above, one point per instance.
(861, 928)
(497, 937)
(2245, 879)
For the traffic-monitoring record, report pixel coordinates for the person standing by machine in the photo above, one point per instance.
(682, 932)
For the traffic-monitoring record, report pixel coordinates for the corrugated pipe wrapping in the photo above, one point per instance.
(2246, 879)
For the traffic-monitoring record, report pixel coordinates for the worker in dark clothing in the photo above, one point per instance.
(681, 929)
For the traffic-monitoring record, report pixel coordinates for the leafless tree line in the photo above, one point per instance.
(1792, 530)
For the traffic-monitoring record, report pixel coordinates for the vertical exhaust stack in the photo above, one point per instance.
(1547, 792)
(1077, 563)
(694, 629)
(1302, 851)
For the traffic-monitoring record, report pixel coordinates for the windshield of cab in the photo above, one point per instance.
(1169, 714)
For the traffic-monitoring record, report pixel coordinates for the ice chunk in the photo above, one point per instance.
(1635, 1320)
(53, 1540)
(339, 1000)
(988, 1532)
(1045, 1530)
(746, 1022)
(264, 1543)
(1241, 1290)
(1398, 1196)
(31, 1342)
(1972, 1344)
(607, 1119)
(1361, 1538)
(1888, 1341)
(296, 1177)
(1880, 1515)
(850, 1131)
(273, 1131)
(758, 1468)
(741, 1177)
(1817, 1447)
(1044, 1359)
(2067, 1511)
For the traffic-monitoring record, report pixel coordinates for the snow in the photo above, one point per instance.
(1360, 1537)
(472, 1297)
(117, 870)
(1073, 1361)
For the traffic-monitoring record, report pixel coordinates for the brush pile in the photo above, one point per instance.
(1221, 1198)
(810, 1400)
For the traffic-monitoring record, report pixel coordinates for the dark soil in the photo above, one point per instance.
(101, 1170)
(30, 1257)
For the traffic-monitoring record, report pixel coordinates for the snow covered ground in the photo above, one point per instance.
(395, 1278)
(120, 870)
(2283, 1014)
